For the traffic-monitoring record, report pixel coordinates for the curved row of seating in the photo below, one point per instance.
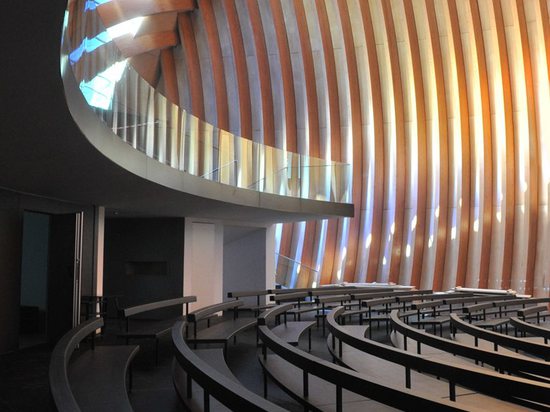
(508, 388)
(342, 378)
(96, 377)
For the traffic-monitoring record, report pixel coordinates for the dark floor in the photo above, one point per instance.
(24, 374)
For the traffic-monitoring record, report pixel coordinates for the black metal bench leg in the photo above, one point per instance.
(206, 402)
(309, 339)
(156, 351)
(265, 384)
(130, 379)
(189, 387)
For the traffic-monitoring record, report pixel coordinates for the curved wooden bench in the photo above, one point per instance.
(341, 378)
(498, 339)
(259, 306)
(214, 383)
(503, 362)
(96, 380)
(491, 383)
(151, 328)
(531, 329)
(220, 332)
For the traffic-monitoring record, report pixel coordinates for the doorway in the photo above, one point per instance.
(50, 276)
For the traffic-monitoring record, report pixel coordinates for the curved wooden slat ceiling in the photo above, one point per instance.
(502, 140)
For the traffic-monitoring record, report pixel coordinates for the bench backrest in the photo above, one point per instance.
(205, 312)
(134, 310)
(505, 303)
(60, 387)
(227, 391)
(534, 348)
(247, 293)
(371, 295)
(291, 297)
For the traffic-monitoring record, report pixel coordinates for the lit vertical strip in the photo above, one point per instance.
(365, 212)
(318, 113)
(444, 182)
(329, 12)
(388, 138)
(397, 222)
(356, 143)
(539, 285)
(521, 133)
(373, 238)
(510, 168)
(330, 259)
(486, 152)
(418, 219)
(447, 277)
(432, 145)
(471, 199)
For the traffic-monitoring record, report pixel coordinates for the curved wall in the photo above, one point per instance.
(442, 107)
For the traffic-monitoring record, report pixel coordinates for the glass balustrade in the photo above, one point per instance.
(290, 273)
(146, 120)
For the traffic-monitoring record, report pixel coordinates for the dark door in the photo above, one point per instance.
(64, 274)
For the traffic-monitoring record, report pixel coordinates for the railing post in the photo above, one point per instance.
(338, 398)
(452, 391)
(408, 377)
(306, 384)
(206, 402)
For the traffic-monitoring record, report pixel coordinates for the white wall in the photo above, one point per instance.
(203, 262)
(248, 259)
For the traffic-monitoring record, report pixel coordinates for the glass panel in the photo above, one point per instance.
(290, 273)
(149, 122)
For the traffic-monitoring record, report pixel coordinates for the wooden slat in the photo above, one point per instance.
(534, 131)
(444, 182)
(147, 65)
(546, 30)
(130, 46)
(422, 145)
(400, 145)
(378, 119)
(216, 59)
(118, 11)
(312, 236)
(510, 145)
(189, 44)
(464, 225)
(286, 74)
(263, 73)
(335, 136)
(350, 267)
(168, 66)
(241, 69)
(486, 215)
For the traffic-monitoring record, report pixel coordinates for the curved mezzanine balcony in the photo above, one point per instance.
(139, 129)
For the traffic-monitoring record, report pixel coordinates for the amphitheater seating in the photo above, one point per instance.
(311, 381)
(389, 364)
(478, 368)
